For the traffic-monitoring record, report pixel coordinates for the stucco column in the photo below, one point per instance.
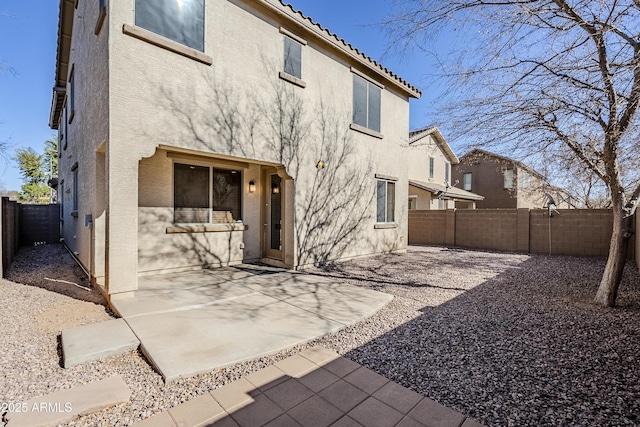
(121, 251)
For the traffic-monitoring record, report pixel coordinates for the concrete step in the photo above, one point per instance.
(97, 341)
(64, 405)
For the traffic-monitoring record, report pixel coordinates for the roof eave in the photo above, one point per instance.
(442, 142)
(65, 27)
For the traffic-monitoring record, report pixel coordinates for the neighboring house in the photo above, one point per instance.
(506, 183)
(213, 132)
(430, 179)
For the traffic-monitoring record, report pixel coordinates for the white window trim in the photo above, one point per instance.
(386, 224)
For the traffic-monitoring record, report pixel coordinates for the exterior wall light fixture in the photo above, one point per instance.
(252, 187)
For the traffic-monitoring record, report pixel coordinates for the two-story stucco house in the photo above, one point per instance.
(506, 183)
(214, 132)
(430, 179)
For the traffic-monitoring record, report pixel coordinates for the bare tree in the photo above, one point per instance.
(280, 126)
(539, 76)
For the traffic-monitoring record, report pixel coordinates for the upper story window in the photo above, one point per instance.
(71, 99)
(179, 20)
(467, 182)
(447, 170)
(366, 103)
(508, 179)
(432, 167)
(526, 180)
(292, 57)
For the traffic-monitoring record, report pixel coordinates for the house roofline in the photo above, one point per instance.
(417, 135)
(65, 26)
(505, 158)
(316, 29)
(449, 192)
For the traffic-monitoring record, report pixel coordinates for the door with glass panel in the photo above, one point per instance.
(273, 224)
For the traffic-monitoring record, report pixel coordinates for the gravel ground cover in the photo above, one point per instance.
(508, 339)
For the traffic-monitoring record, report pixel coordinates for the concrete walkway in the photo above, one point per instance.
(195, 322)
(318, 388)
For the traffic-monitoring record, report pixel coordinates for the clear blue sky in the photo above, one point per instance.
(28, 38)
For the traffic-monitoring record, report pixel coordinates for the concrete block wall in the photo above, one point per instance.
(39, 224)
(427, 227)
(493, 229)
(10, 224)
(574, 232)
(577, 232)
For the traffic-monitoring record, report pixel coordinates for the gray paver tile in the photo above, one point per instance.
(288, 394)
(433, 414)
(346, 422)
(197, 412)
(224, 422)
(318, 380)
(163, 419)
(410, 422)
(315, 412)
(366, 380)
(343, 395)
(373, 413)
(398, 397)
(341, 366)
(259, 412)
(283, 420)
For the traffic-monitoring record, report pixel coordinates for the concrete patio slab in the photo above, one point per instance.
(273, 396)
(65, 405)
(97, 341)
(226, 333)
(194, 322)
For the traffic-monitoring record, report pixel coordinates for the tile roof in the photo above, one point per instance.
(451, 192)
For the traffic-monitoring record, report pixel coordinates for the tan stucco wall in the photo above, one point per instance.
(157, 97)
(418, 161)
(87, 131)
(419, 153)
(162, 251)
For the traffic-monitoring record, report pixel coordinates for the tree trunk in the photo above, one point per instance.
(618, 250)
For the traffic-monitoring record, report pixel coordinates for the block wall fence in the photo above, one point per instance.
(575, 232)
(26, 225)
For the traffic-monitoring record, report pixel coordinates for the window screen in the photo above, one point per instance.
(385, 201)
(191, 193)
(227, 195)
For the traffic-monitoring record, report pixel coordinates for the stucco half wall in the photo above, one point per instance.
(164, 247)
